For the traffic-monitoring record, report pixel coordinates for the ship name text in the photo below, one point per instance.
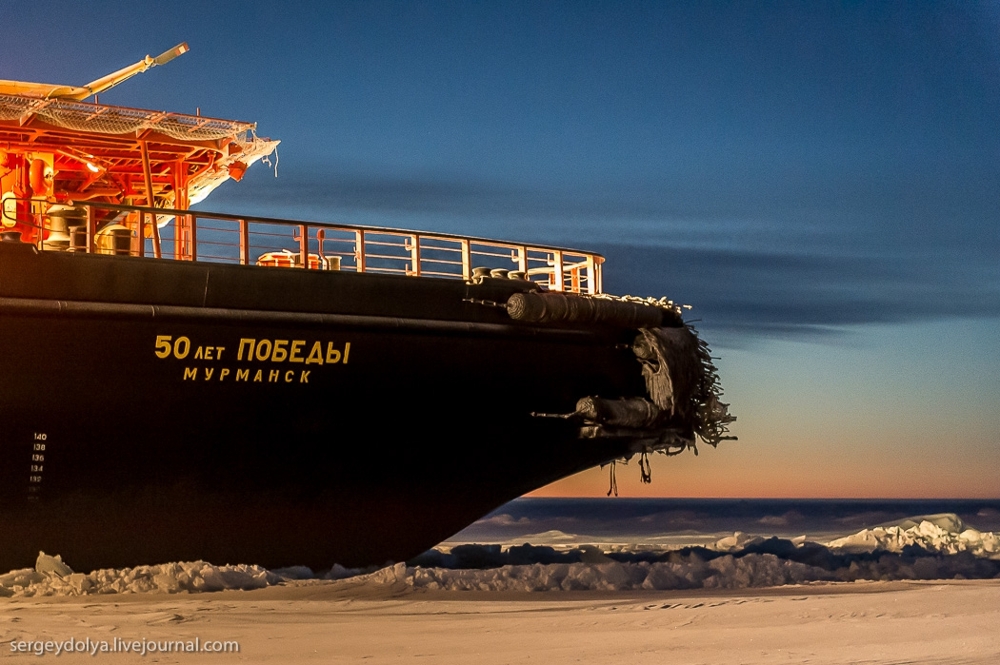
(253, 350)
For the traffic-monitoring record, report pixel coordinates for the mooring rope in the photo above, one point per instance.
(645, 470)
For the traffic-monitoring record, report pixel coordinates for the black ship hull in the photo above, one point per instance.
(159, 410)
(287, 392)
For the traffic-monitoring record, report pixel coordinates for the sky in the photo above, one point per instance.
(820, 181)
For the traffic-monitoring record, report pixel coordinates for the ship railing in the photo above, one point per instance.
(189, 235)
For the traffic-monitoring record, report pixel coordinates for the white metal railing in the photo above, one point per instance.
(222, 238)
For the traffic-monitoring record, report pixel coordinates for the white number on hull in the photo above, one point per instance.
(36, 468)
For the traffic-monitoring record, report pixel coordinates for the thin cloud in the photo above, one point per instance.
(778, 270)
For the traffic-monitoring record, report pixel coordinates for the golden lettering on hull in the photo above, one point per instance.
(252, 350)
(244, 375)
(284, 350)
(209, 352)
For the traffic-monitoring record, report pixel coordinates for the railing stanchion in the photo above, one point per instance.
(91, 229)
(557, 271)
(193, 225)
(415, 255)
(244, 242)
(591, 277)
(359, 250)
(304, 246)
(466, 259)
(178, 237)
(140, 246)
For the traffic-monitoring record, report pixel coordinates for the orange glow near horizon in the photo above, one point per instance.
(898, 416)
(730, 479)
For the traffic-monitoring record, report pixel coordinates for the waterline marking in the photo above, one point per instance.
(140, 647)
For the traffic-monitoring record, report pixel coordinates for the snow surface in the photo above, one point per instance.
(928, 547)
(870, 623)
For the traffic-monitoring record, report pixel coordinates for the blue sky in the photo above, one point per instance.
(820, 180)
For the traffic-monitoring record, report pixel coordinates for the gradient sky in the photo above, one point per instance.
(820, 180)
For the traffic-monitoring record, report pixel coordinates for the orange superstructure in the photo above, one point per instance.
(57, 149)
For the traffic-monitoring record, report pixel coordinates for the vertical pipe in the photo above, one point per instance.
(180, 203)
(147, 173)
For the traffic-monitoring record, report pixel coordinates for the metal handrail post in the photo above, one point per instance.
(193, 223)
(466, 259)
(557, 271)
(91, 229)
(244, 242)
(140, 245)
(359, 250)
(415, 255)
(304, 246)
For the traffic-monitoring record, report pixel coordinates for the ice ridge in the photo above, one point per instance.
(928, 547)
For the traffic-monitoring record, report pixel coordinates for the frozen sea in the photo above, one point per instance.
(565, 581)
(621, 544)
